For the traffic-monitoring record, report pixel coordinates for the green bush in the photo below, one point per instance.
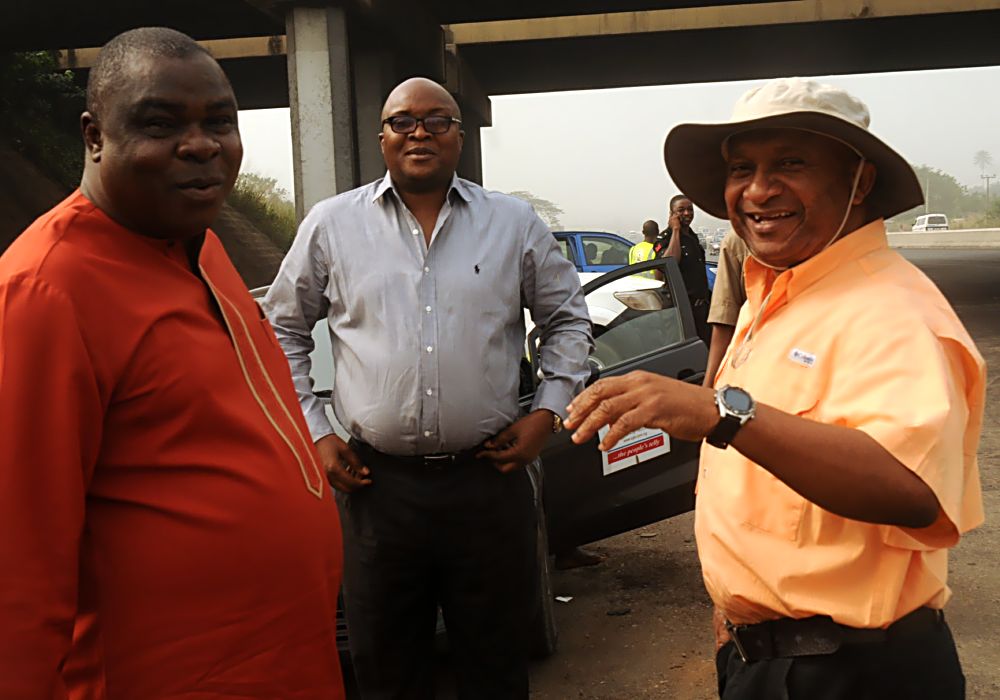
(267, 206)
(39, 113)
(988, 219)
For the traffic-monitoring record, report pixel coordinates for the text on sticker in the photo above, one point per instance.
(801, 357)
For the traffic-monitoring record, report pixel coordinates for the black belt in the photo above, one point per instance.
(819, 635)
(444, 460)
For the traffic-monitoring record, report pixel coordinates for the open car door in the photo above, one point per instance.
(642, 320)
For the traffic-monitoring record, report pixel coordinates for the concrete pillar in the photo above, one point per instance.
(470, 165)
(319, 93)
(477, 111)
(374, 77)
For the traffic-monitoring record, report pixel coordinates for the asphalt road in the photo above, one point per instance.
(661, 649)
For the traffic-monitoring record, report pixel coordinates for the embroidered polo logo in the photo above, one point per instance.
(801, 357)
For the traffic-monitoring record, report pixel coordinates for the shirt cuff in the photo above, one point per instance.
(553, 395)
(319, 424)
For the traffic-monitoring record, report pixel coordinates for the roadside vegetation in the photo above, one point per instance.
(267, 206)
(966, 207)
(40, 114)
(988, 219)
(40, 110)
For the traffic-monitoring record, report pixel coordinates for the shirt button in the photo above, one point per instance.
(430, 392)
(427, 433)
(427, 309)
(416, 232)
(427, 269)
(430, 348)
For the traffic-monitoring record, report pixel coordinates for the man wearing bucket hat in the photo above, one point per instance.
(840, 462)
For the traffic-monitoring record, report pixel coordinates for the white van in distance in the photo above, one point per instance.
(931, 222)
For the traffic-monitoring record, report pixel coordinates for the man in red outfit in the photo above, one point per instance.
(167, 528)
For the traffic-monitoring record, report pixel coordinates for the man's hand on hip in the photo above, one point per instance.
(344, 469)
(719, 628)
(520, 443)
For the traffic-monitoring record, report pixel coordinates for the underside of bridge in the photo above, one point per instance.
(341, 58)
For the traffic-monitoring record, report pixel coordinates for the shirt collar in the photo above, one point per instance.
(458, 186)
(854, 246)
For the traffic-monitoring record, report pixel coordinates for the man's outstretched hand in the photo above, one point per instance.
(642, 400)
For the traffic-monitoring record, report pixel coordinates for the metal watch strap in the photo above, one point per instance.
(557, 424)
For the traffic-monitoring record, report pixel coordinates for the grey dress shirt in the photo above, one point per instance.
(427, 340)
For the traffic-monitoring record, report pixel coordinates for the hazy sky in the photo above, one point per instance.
(598, 154)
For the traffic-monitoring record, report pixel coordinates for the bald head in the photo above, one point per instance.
(419, 88)
(650, 230)
(421, 157)
(127, 49)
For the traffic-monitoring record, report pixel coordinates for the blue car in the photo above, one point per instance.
(596, 252)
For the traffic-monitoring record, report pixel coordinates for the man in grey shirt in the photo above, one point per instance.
(422, 278)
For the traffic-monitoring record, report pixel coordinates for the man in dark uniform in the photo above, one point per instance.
(680, 242)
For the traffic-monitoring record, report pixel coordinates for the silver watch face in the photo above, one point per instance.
(736, 400)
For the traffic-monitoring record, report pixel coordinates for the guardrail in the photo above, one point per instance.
(957, 238)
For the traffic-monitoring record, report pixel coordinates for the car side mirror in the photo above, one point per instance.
(640, 299)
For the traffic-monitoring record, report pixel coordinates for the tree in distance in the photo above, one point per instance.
(982, 160)
(547, 211)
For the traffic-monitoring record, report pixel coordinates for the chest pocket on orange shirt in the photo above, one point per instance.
(762, 501)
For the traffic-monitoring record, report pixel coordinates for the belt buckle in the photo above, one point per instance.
(438, 461)
(734, 634)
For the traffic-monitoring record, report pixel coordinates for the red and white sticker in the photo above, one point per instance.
(638, 446)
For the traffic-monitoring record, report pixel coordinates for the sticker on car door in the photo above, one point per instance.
(638, 446)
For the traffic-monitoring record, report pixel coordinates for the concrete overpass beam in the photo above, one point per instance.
(411, 30)
(320, 100)
(709, 17)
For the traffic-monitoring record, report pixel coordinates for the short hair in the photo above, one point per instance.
(650, 225)
(676, 198)
(116, 56)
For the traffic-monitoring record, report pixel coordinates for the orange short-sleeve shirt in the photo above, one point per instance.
(855, 336)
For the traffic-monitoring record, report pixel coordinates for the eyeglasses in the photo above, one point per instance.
(436, 124)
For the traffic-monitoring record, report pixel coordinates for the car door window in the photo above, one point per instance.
(634, 319)
(634, 316)
(604, 250)
(566, 249)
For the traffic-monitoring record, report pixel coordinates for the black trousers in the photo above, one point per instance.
(904, 667)
(462, 538)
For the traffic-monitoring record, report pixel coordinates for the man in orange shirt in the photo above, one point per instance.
(840, 455)
(167, 528)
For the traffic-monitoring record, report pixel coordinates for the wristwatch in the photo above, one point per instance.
(557, 425)
(736, 407)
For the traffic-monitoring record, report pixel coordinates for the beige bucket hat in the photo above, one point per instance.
(693, 152)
